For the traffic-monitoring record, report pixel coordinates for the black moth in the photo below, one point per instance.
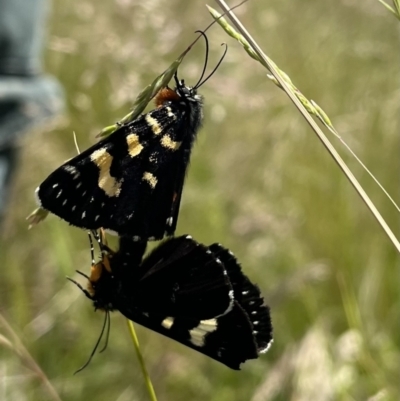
(192, 293)
(131, 182)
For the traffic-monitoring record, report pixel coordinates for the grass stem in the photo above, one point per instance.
(146, 376)
(329, 147)
(19, 348)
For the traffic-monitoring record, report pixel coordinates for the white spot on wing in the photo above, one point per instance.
(231, 296)
(55, 186)
(72, 170)
(153, 158)
(83, 215)
(38, 201)
(199, 333)
(168, 322)
(170, 113)
(266, 348)
(169, 221)
(59, 193)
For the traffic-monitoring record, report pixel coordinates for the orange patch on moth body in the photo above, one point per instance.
(165, 95)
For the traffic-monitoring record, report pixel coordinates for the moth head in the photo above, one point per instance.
(186, 92)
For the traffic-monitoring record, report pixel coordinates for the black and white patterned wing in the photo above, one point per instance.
(248, 297)
(198, 296)
(180, 278)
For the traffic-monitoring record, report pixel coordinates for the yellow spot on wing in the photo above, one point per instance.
(150, 178)
(153, 123)
(168, 143)
(107, 183)
(134, 146)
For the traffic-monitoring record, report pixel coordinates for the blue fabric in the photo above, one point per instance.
(8, 160)
(21, 36)
(28, 98)
(27, 102)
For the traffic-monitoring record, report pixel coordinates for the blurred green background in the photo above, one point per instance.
(259, 182)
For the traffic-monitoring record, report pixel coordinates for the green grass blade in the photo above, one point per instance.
(149, 385)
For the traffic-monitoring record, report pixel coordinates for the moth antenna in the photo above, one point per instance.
(211, 24)
(86, 292)
(215, 68)
(108, 331)
(95, 347)
(206, 57)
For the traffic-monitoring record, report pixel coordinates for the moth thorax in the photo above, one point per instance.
(165, 95)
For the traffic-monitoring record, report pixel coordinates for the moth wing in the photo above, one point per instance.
(227, 339)
(86, 190)
(106, 186)
(183, 278)
(183, 290)
(164, 177)
(248, 296)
